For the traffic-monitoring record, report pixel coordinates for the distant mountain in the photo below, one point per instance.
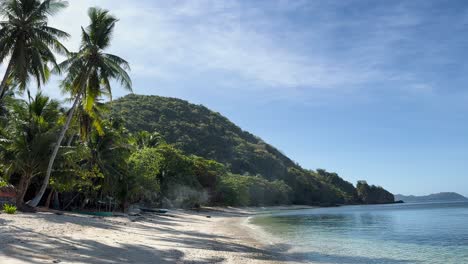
(443, 196)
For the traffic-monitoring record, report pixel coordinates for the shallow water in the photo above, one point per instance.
(397, 233)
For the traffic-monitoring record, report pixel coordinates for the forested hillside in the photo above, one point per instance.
(196, 130)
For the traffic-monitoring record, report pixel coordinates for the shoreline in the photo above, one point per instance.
(214, 235)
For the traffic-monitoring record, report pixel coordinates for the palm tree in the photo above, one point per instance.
(109, 153)
(28, 41)
(27, 139)
(145, 139)
(90, 71)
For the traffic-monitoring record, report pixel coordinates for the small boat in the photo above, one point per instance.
(149, 210)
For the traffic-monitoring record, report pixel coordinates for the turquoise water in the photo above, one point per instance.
(397, 233)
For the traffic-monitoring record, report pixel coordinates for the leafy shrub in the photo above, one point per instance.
(9, 209)
(240, 190)
(3, 182)
(144, 178)
(233, 190)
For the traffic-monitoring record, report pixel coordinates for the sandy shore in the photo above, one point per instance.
(181, 237)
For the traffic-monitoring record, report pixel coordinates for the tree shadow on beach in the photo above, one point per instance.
(45, 246)
(109, 222)
(3, 221)
(34, 247)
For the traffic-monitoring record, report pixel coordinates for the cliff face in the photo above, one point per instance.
(371, 194)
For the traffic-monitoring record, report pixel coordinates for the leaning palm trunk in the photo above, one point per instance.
(34, 202)
(4, 84)
(22, 189)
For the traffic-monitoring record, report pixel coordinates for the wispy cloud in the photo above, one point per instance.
(292, 45)
(203, 36)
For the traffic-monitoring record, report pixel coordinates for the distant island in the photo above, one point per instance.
(436, 197)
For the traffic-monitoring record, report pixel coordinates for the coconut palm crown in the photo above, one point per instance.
(90, 70)
(28, 41)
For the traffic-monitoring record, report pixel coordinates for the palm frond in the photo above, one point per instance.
(91, 70)
(28, 41)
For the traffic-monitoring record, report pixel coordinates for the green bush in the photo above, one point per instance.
(241, 190)
(9, 209)
(3, 183)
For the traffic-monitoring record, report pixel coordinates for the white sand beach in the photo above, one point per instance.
(179, 237)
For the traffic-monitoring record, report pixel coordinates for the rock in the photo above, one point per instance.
(137, 219)
(134, 209)
(134, 214)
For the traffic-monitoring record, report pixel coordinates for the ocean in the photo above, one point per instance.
(394, 233)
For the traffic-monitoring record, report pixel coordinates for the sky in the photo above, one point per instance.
(374, 90)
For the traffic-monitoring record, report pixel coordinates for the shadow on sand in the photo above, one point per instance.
(32, 247)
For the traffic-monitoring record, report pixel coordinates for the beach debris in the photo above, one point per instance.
(56, 261)
(208, 216)
(137, 218)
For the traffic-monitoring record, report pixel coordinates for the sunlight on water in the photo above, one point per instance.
(398, 233)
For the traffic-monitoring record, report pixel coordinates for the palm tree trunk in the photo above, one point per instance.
(49, 198)
(34, 202)
(3, 85)
(22, 189)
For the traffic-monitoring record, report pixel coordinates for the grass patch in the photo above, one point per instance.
(9, 209)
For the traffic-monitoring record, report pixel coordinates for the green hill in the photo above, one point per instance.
(196, 130)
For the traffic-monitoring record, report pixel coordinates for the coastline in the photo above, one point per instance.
(213, 235)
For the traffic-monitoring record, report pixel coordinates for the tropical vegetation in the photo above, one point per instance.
(9, 209)
(87, 154)
(27, 42)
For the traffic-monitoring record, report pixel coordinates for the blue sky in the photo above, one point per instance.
(373, 90)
